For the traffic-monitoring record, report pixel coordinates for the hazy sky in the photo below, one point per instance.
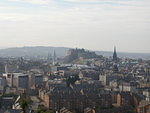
(90, 24)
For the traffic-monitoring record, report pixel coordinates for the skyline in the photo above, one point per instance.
(91, 24)
(100, 50)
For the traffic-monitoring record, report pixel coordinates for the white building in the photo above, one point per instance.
(9, 79)
(103, 79)
(146, 93)
(18, 80)
(128, 87)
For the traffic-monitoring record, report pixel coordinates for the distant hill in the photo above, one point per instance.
(33, 51)
(60, 51)
(125, 54)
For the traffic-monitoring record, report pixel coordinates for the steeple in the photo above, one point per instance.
(115, 55)
(54, 58)
(49, 58)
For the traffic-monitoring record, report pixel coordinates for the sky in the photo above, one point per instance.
(91, 24)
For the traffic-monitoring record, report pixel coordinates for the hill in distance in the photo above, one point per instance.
(33, 51)
(60, 52)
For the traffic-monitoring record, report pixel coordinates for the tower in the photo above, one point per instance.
(115, 55)
(115, 59)
(54, 58)
(49, 58)
(6, 68)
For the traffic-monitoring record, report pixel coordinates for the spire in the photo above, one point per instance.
(54, 57)
(6, 68)
(49, 58)
(115, 54)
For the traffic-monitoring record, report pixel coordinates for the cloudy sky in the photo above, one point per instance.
(90, 24)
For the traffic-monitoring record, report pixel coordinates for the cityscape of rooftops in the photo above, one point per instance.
(74, 56)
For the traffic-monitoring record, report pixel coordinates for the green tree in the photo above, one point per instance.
(24, 105)
(42, 109)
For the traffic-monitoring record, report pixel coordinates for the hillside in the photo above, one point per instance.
(75, 54)
(60, 51)
(33, 51)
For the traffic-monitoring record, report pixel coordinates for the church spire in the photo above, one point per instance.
(115, 54)
(49, 58)
(54, 58)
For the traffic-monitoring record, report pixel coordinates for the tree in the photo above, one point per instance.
(42, 109)
(24, 102)
(24, 105)
(72, 79)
